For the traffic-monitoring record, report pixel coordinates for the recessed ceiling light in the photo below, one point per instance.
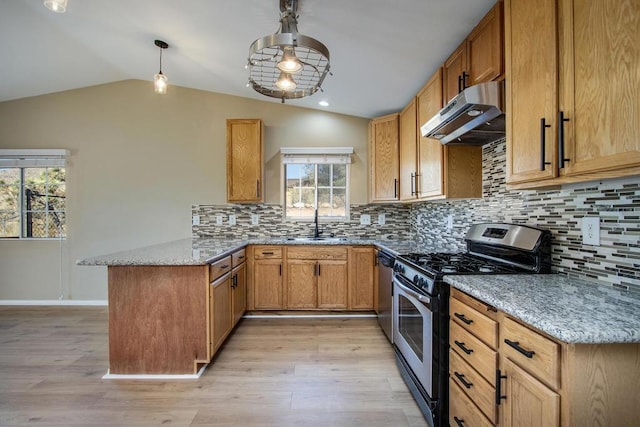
(324, 103)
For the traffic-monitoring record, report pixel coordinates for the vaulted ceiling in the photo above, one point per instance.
(382, 51)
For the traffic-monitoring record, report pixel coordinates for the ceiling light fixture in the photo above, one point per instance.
(59, 6)
(276, 59)
(160, 80)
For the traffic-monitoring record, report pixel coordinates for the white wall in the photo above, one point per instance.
(139, 161)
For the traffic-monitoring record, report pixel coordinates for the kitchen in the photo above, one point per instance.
(111, 214)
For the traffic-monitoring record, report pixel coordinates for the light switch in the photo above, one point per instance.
(195, 220)
(219, 219)
(255, 219)
(381, 219)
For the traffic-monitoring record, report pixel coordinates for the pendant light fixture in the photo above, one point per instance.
(287, 64)
(160, 80)
(58, 6)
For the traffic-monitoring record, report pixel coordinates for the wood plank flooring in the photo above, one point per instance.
(271, 372)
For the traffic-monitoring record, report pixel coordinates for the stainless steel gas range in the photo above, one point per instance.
(421, 302)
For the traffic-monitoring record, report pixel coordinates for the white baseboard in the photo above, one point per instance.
(54, 302)
(110, 376)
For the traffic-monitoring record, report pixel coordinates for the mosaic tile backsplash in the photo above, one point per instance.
(617, 202)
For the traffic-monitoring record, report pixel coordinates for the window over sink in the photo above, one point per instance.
(316, 178)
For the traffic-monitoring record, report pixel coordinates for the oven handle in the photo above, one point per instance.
(422, 298)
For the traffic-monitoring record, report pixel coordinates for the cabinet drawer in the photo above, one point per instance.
(238, 257)
(478, 324)
(265, 252)
(535, 353)
(462, 412)
(474, 352)
(218, 268)
(317, 252)
(479, 390)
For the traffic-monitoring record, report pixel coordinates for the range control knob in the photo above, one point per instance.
(415, 279)
(421, 282)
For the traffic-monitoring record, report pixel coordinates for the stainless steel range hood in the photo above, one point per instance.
(474, 117)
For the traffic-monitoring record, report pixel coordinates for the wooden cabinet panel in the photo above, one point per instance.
(408, 156)
(473, 351)
(317, 252)
(244, 160)
(531, 79)
(455, 72)
(528, 401)
(267, 284)
(485, 47)
(221, 310)
(538, 355)
(302, 289)
(238, 257)
(332, 284)
(267, 252)
(239, 292)
(361, 278)
(462, 411)
(384, 159)
(481, 326)
(430, 151)
(218, 268)
(479, 390)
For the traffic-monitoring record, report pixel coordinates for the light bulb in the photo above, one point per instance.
(285, 82)
(289, 63)
(58, 6)
(160, 83)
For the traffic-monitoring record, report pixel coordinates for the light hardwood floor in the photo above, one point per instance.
(271, 372)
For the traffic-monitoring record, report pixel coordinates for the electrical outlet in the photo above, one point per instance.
(195, 220)
(219, 219)
(255, 219)
(449, 222)
(195, 253)
(232, 220)
(591, 230)
(365, 219)
(382, 219)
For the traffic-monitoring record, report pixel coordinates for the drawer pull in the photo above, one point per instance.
(459, 421)
(224, 266)
(241, 257)
(267, 253)
(499, 378)
(462, 380)
(463, 348)
(516, 346)
(463, 318)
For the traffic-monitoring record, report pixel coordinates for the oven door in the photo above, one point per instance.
(412, 331)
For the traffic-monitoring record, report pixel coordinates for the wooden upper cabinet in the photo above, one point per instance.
(244, 160)
(430, 151)
(384, 159)
(408, 155)
(479, 58)
(593, 85)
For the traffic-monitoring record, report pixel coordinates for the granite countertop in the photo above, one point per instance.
(207, 249)
(571, 310)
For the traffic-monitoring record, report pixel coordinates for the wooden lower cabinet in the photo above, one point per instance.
(362, 278)
(221, 310)
(267, 284)
(462, 411)
(527, 401)
(239, 292)
(332, 285)
(302, 290)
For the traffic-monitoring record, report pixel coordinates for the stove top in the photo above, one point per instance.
(456, 263)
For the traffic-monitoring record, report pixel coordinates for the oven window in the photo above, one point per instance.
(410, 324)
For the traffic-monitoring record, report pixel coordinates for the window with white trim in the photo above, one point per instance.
(33, 194)
(316, 178)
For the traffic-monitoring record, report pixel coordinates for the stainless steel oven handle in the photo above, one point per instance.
(423, 298)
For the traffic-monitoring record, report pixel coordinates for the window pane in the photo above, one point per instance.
(9, 202)
(338, 205)
(339, 175)
(293, 201)
(324, 175)
(308, 175)
(324, 202)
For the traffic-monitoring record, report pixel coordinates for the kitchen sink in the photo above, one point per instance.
(317, 239)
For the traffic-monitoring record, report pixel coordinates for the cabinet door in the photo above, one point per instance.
(454, 72)
(600, 84)
(485, 48)
(239, 294)
(384, 158)
(332, 284)
(408, 141)
(531, 79)
(528, 401)
(267, 284)
(430, 151)
(301, 284)
(244, 160)
(361, 278)
(221, 315)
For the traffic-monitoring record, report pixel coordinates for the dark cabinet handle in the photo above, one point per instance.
(267, 253)
(462, 380)
(318, 269)
(543, 143)
(417, 186)
(280, 269)
(224, 266)
(464, 80)
(234, 281)
(241, 257)
(463, 318)
(412, 190)
(460, 83)
(561, 158)
(516, 346)
(499, 378)
(463, 348)
(395, 188)
(258, 188)
(458, 421)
